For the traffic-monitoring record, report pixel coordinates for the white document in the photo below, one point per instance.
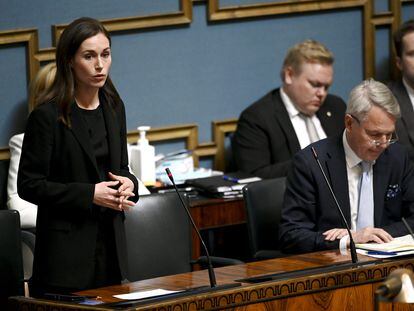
(146, 294)
(400, 244)
(382, 255)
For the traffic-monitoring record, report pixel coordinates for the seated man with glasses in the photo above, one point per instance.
(371, 176)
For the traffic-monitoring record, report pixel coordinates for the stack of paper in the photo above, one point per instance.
(400, 246)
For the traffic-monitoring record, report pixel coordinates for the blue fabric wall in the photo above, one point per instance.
(185, 74)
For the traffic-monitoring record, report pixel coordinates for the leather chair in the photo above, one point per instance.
(28, 245)
(263, 202)
(11, 265)
(158, 237)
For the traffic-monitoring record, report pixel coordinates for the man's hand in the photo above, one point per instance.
(335, 234)
(370, 234)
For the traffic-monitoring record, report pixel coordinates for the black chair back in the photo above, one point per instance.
(263, 203)
(11, 265)
(4, 174)
(158, 237)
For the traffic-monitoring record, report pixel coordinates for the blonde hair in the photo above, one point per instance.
(309, 51)
(41, 84)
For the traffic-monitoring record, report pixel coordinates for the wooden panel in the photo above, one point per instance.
(215, 213)
(370, 19)
(220, 130)
(188, 132)
(184, 16)
(35, 56)
(30, 38)
(347, 288)
(215, 12)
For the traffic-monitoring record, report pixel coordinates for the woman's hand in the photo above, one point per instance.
(125, 189)
(105, 195)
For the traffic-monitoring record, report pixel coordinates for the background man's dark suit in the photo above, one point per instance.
(265, 140)
(309, 209)
(405, 125)
(57, 172)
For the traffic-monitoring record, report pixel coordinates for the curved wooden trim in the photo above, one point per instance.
(4, 153)
(220, 130)
(182, 17)
(46, 55)
(207, 149)
(216, 13)
(187, 131)
(204, 150)
(30, 38)
(369, 41)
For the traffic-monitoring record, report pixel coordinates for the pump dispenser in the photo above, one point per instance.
(143, 158)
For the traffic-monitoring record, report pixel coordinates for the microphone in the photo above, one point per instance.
(398, 287)
(408, 227)
(351, 240)
(211, 274)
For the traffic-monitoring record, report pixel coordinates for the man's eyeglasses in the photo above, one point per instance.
(377, 139)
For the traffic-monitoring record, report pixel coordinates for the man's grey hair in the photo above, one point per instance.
(371, 93)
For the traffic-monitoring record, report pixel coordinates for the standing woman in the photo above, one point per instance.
(74, 166)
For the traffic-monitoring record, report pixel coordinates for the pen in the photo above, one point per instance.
(382, 253)
(229, 178)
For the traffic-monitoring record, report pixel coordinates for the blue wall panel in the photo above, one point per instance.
(43, 14)
(13, 91)
(407, 11)
(185, 74)
(208, 72)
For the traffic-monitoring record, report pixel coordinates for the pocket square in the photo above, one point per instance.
(392, 191)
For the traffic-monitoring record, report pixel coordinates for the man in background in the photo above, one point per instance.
(372, 177)
(403, 88)
(287, 119)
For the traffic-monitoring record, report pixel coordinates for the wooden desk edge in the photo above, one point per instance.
(255, 293)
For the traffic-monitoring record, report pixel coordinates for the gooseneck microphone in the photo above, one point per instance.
(398, 287)
(351, 240)
(211, 274)
(410, 231)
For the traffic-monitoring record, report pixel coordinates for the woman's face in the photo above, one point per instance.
(92, 62)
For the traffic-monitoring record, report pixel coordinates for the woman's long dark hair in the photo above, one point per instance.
(63, 89)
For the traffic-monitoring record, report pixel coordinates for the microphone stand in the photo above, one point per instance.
(211, 274)
(351, 240)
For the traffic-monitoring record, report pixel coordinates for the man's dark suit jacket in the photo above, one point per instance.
(265, 140)
(58, 172)
(309, 209)
(405, 125)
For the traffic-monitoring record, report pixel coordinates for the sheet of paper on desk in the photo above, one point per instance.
(382, 255)
(146, 294)
(402, 243)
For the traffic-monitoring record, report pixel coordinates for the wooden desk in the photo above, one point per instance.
(349, 288)
(210, 213)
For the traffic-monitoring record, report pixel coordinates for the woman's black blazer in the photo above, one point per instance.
(58, 172)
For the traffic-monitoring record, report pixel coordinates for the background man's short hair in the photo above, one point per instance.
(406, 28)
(308, 51)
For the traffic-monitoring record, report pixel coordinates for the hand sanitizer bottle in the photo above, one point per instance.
(143, 158)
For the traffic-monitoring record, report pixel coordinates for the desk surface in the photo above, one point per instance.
(319, 290)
